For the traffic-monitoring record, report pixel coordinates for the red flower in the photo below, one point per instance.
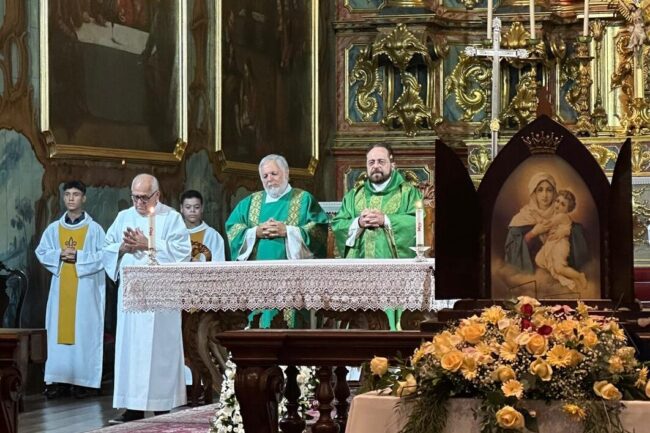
(525, 324)
(545, 330)
(526, 309)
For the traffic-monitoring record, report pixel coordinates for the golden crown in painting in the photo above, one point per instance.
(542, 143)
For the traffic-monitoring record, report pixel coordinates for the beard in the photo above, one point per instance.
(378, 176)
(276, 191)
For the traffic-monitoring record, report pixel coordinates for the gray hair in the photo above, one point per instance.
(146, 179)
(279, 159)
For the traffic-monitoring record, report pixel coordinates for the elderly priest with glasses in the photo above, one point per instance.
(149, 374)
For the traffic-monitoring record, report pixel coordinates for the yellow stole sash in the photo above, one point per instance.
(198, 247)
(68, 282)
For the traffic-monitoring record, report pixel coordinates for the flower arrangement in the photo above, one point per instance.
(507, 356)
(228, 416)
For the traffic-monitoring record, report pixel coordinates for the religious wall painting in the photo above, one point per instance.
(415, 173)
(20, 185)
(113, 79)
(267, 91)
(545, 234)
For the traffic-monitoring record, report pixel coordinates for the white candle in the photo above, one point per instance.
(585, 23)
(419, 224)
(532, 19)
(490, 6)
(152, 229)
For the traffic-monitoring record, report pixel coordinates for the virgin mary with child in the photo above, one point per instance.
(524, 241)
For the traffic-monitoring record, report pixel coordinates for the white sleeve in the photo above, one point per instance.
(295, 246)
(248, 244)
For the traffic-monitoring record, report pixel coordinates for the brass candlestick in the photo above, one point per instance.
(584, 125)
(599, 115)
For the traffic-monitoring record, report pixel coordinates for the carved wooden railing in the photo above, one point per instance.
(259, 381)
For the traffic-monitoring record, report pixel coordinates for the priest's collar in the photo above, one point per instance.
(76, 220)
(379, 187)
(270, 199)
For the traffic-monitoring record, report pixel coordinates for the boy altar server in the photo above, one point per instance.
(71, 249)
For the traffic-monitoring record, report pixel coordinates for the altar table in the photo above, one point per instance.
(328, 284)
(371, 413)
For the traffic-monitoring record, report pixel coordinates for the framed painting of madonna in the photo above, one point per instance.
(267, 84)
(113, 79)
(545, 234)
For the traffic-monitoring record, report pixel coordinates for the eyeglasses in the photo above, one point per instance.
(143, 198)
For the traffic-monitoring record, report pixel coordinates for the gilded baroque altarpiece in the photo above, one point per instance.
(403, 76)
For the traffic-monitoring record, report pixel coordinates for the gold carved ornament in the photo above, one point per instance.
(409, 111)
(542, 143)
(467, 83)
(516, 37)
(523, 107)
(365, 71)
(640, 217)
(602, 154)
(640, 158)
(479, 159)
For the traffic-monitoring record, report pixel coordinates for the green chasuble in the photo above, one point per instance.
(296, 208)
(397, 201)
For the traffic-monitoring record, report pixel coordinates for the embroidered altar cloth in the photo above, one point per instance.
(330, 284)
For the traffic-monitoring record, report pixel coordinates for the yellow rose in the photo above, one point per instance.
(510, 418)
(452, 360)
(504, 373)
(564, 330)
(407, 387)
(541, 369)
(576, 358)
(379, 365)
(444, 342)
(607, 391)
(536, 345)
(472, 333)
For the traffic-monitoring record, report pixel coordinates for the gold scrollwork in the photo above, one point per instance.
(601, 154)
(622, 77)
(640, 216)
(640, 158)
(516, 37)
(479, 159)
(400, 46)
(523, 107)
(409, 111)
(365, 71)
(468, 82)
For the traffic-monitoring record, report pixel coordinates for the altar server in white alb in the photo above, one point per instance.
(148, 347)
(71, 249)
(207, 243)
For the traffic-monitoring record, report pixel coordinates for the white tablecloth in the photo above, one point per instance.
(330, 284)
(370, 413)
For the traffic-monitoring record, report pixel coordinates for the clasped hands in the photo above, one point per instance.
(371, 218)
(134, 240)
(271, 229)
(69, 255)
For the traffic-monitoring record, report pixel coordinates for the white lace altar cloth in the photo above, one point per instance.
(329, 284)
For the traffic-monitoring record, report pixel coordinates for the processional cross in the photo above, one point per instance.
(496, 53)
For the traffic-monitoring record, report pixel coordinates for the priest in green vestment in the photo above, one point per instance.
(377, 218)
(278, 223)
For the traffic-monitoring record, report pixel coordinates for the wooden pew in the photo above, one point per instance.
(259, 380)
